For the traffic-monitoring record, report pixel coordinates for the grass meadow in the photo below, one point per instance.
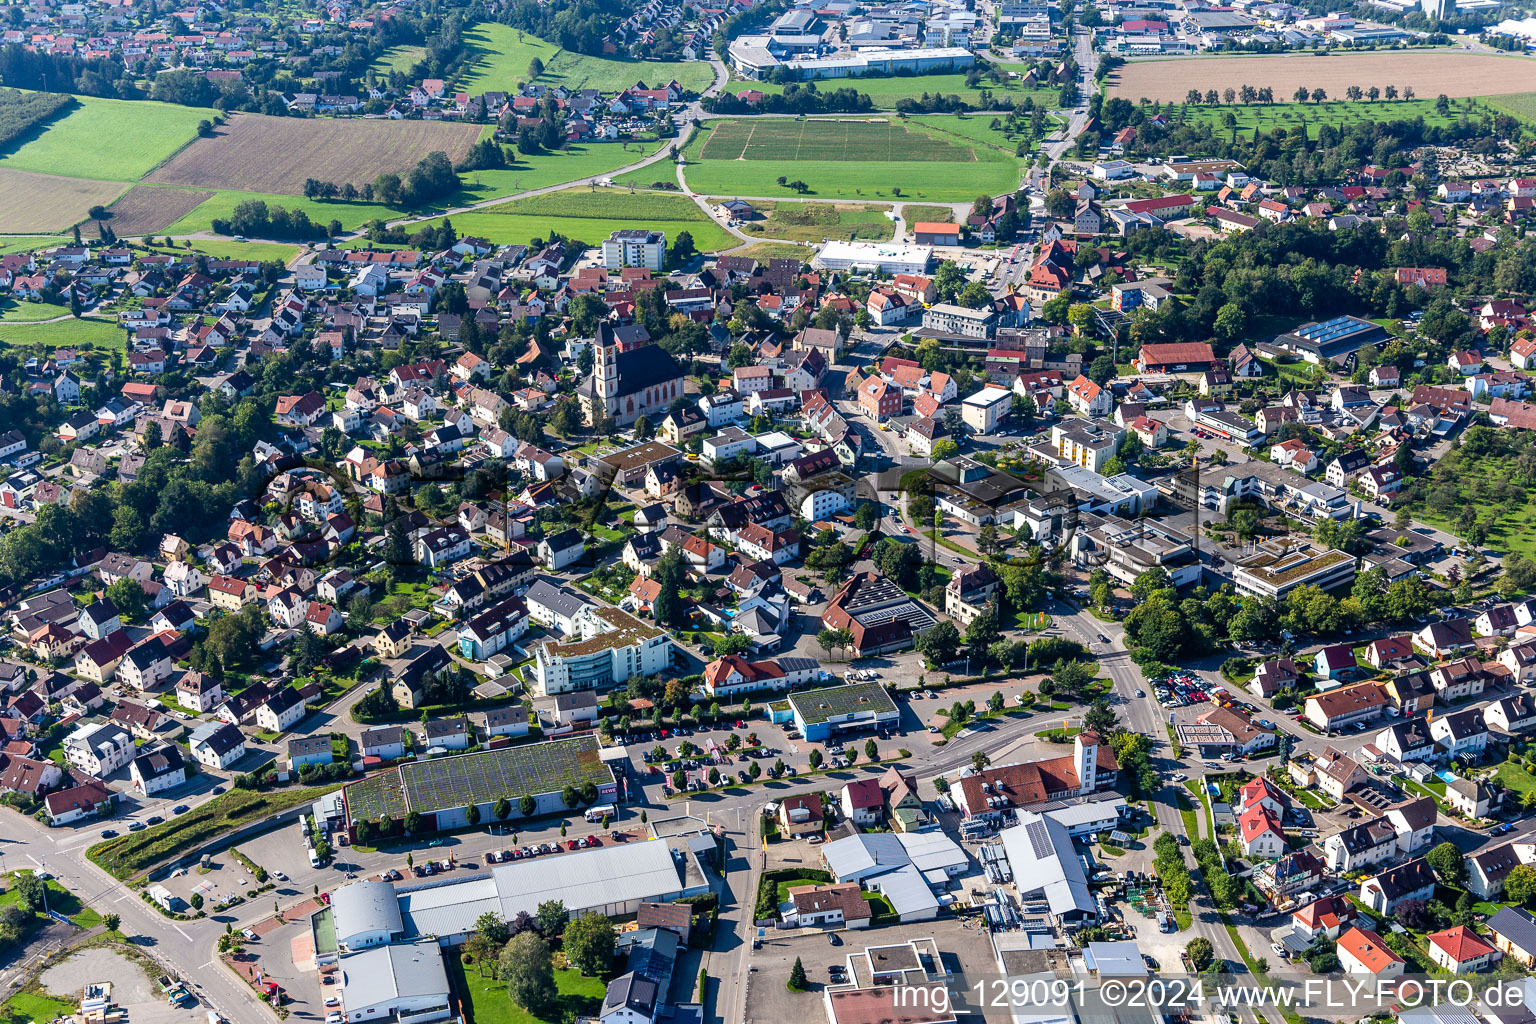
(109, 140)
(399, 58)
(1520, 104)
(591, 216)
(852, 159)
(504, 59)
(815, 222)
(1266, 117)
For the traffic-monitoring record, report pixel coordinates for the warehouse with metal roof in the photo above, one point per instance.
(610, 880)
(366, 914)
(1045, 865)
(406, 981)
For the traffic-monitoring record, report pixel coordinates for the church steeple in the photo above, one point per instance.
(606, 368)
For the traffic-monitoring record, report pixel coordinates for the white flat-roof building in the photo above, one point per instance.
(407, 982)
(366, 913)
(611, 880)
(982, 411)
(1043, 861)
(879, 257)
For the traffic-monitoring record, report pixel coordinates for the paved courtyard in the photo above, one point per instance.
(131, 987)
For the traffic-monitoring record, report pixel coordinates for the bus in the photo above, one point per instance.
(600, 812)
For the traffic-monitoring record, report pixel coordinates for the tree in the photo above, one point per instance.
(1520, 884)
(1447, 862)
(871, 749)
(943, 449)
(128, 597)
(526, 805)
(528, 970)
(413, 822)
(940, 644)
(551, 918)
(797, 982)
(1201, 954)
(588, 944)
(1100, 718)
(112, 921)
(501, 809)
(815, 759)
(492, 927)
(472, 814)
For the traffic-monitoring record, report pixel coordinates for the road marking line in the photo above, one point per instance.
(183, 934)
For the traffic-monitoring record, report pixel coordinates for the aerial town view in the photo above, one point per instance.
(768, 512)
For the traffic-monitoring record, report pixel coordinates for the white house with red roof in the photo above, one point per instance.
(1088, 398)
(733, 674)
(863, 802)
(1460, 950)
(1329, 916)
(1362, 951)
(1261, 833)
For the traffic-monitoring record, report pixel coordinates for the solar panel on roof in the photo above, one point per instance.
(1039, 839)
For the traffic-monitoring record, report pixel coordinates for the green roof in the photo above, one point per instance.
(816, 706)
(512, 772)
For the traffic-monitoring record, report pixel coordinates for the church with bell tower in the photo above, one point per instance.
(629, 380)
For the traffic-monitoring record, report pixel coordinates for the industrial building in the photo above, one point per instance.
(1274, 571)
(612, 880)
(1045, 866)
(406, 981)
(878, 257)
(907, 868)
(825, 713)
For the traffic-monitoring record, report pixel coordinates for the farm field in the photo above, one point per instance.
(1430, 73)
(816, 222)
(399, 58)
(144, 209)
(848, 159)
(504, 62)
(109, 140)
(69, 333)
(1335, 112)
(765, 251)
(1520, 104)
(887, 91)
(239, 156)
(31, 203)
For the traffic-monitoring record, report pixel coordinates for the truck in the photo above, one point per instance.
(600, 812)
(175, 991)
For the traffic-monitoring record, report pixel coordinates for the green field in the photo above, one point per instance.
(28, 1006)
(591, 216)
(64, 334)
(503, 63)
(230, 250)
(849, 159)
(816, 222)
(1266, 117)
(885, 92)
(1520, 104)
(26, 243)
(400, 58)
(502, 60)
(914, 212)
(60, 901)
(110, 140)
(14, 311)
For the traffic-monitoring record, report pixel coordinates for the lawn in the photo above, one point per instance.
(850, 159)
(1266, 117)
(402, 58)
(60, 901)
(15, 311)
(914, 212)
(110, 140)
(27, 243)
(29, 1006)
(764, 251)
(232, 250)
(505, 53)
(591, 214)
(1514, 778)
(222, 205)
(1187, 813)
(817, 222)
(487, 1001)
(65, 334)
